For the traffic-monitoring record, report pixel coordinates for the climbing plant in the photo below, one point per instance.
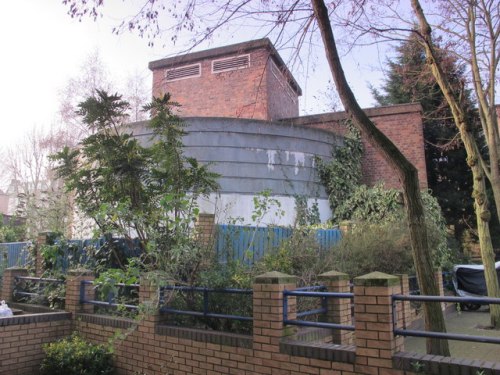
(342, 174)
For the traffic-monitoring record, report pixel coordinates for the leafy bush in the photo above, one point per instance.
(75, 356)
(298, 255)
(370, 247)
(378, 206)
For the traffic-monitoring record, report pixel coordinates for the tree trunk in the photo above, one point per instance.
(433, 315)
(483, 214)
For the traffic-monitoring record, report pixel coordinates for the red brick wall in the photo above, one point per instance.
(237, 93)
(282, 101)
(402, 124)
(251, 92)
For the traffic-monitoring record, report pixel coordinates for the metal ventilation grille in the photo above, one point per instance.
(231, 63)
(183, 72)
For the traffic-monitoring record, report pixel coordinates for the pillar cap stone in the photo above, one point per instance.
(376, 279)
(333, 275)
(17, 268)
(275, 277)
(80, 272)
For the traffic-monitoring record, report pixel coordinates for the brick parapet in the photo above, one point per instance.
(8, 282)
(339, 309)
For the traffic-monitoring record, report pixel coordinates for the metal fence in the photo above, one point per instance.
(440, 335)
(314, 292)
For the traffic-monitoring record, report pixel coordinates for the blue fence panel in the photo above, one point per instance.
(250, 244)
(13, 254)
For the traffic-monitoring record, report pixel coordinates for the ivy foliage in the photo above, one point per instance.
(134, 191)
(342, 174)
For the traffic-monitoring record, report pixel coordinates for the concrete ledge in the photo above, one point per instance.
(32, 309)
(306, 334)
(104, 320)
(323, 351)
(439, 365)
(221, 338)
(35, 318)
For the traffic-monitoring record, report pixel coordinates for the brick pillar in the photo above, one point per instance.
(205, 226)
(43, 238)
(9, 274)
(268, 328)
(375, 342)
(438, 274)
(339, 309)
(405, 318)
(73, 283)
(149, 298)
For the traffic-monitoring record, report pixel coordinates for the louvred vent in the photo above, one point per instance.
(183, 72)
(231, 63)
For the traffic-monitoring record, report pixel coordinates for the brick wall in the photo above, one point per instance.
(402, 124)
(147, 346)
(254, 92)
(22, 337)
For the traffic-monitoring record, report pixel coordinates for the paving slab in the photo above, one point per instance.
(469, 323)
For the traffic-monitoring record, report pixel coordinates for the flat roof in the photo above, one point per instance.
(189, 58)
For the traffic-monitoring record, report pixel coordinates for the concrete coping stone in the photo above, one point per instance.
(213, 337)
(334, 276)
(17, 268)
(80, 272)
(376, 279)
(34, 318)
(275, 277)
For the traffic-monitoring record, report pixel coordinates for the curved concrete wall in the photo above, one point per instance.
(252, 155)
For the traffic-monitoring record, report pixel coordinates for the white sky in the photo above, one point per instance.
(43, 48)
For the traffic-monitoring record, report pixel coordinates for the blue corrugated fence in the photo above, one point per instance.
(13, 254)
(251, 243)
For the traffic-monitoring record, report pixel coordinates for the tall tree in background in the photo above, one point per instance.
(409, 80)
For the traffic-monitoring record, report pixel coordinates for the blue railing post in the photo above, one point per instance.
(205, 301)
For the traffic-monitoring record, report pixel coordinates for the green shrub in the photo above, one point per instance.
(75, 356)
(371, 247)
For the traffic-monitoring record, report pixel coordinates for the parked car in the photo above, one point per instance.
(469, 281)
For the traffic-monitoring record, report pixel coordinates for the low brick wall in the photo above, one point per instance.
(148, 346)
(22, 337)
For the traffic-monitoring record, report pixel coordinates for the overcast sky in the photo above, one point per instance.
(43, 48)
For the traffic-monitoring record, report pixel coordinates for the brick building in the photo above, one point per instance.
(248, 89)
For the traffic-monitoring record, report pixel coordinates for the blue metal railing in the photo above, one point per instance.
(310, 292)
(111, 302)
(42, 282)
(206, 313)
(442, 335)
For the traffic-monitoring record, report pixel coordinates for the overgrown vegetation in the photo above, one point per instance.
(131, 190)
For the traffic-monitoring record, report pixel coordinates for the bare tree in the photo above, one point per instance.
(295, 23)
(41, 198)
(137, 94)
(478, 166)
